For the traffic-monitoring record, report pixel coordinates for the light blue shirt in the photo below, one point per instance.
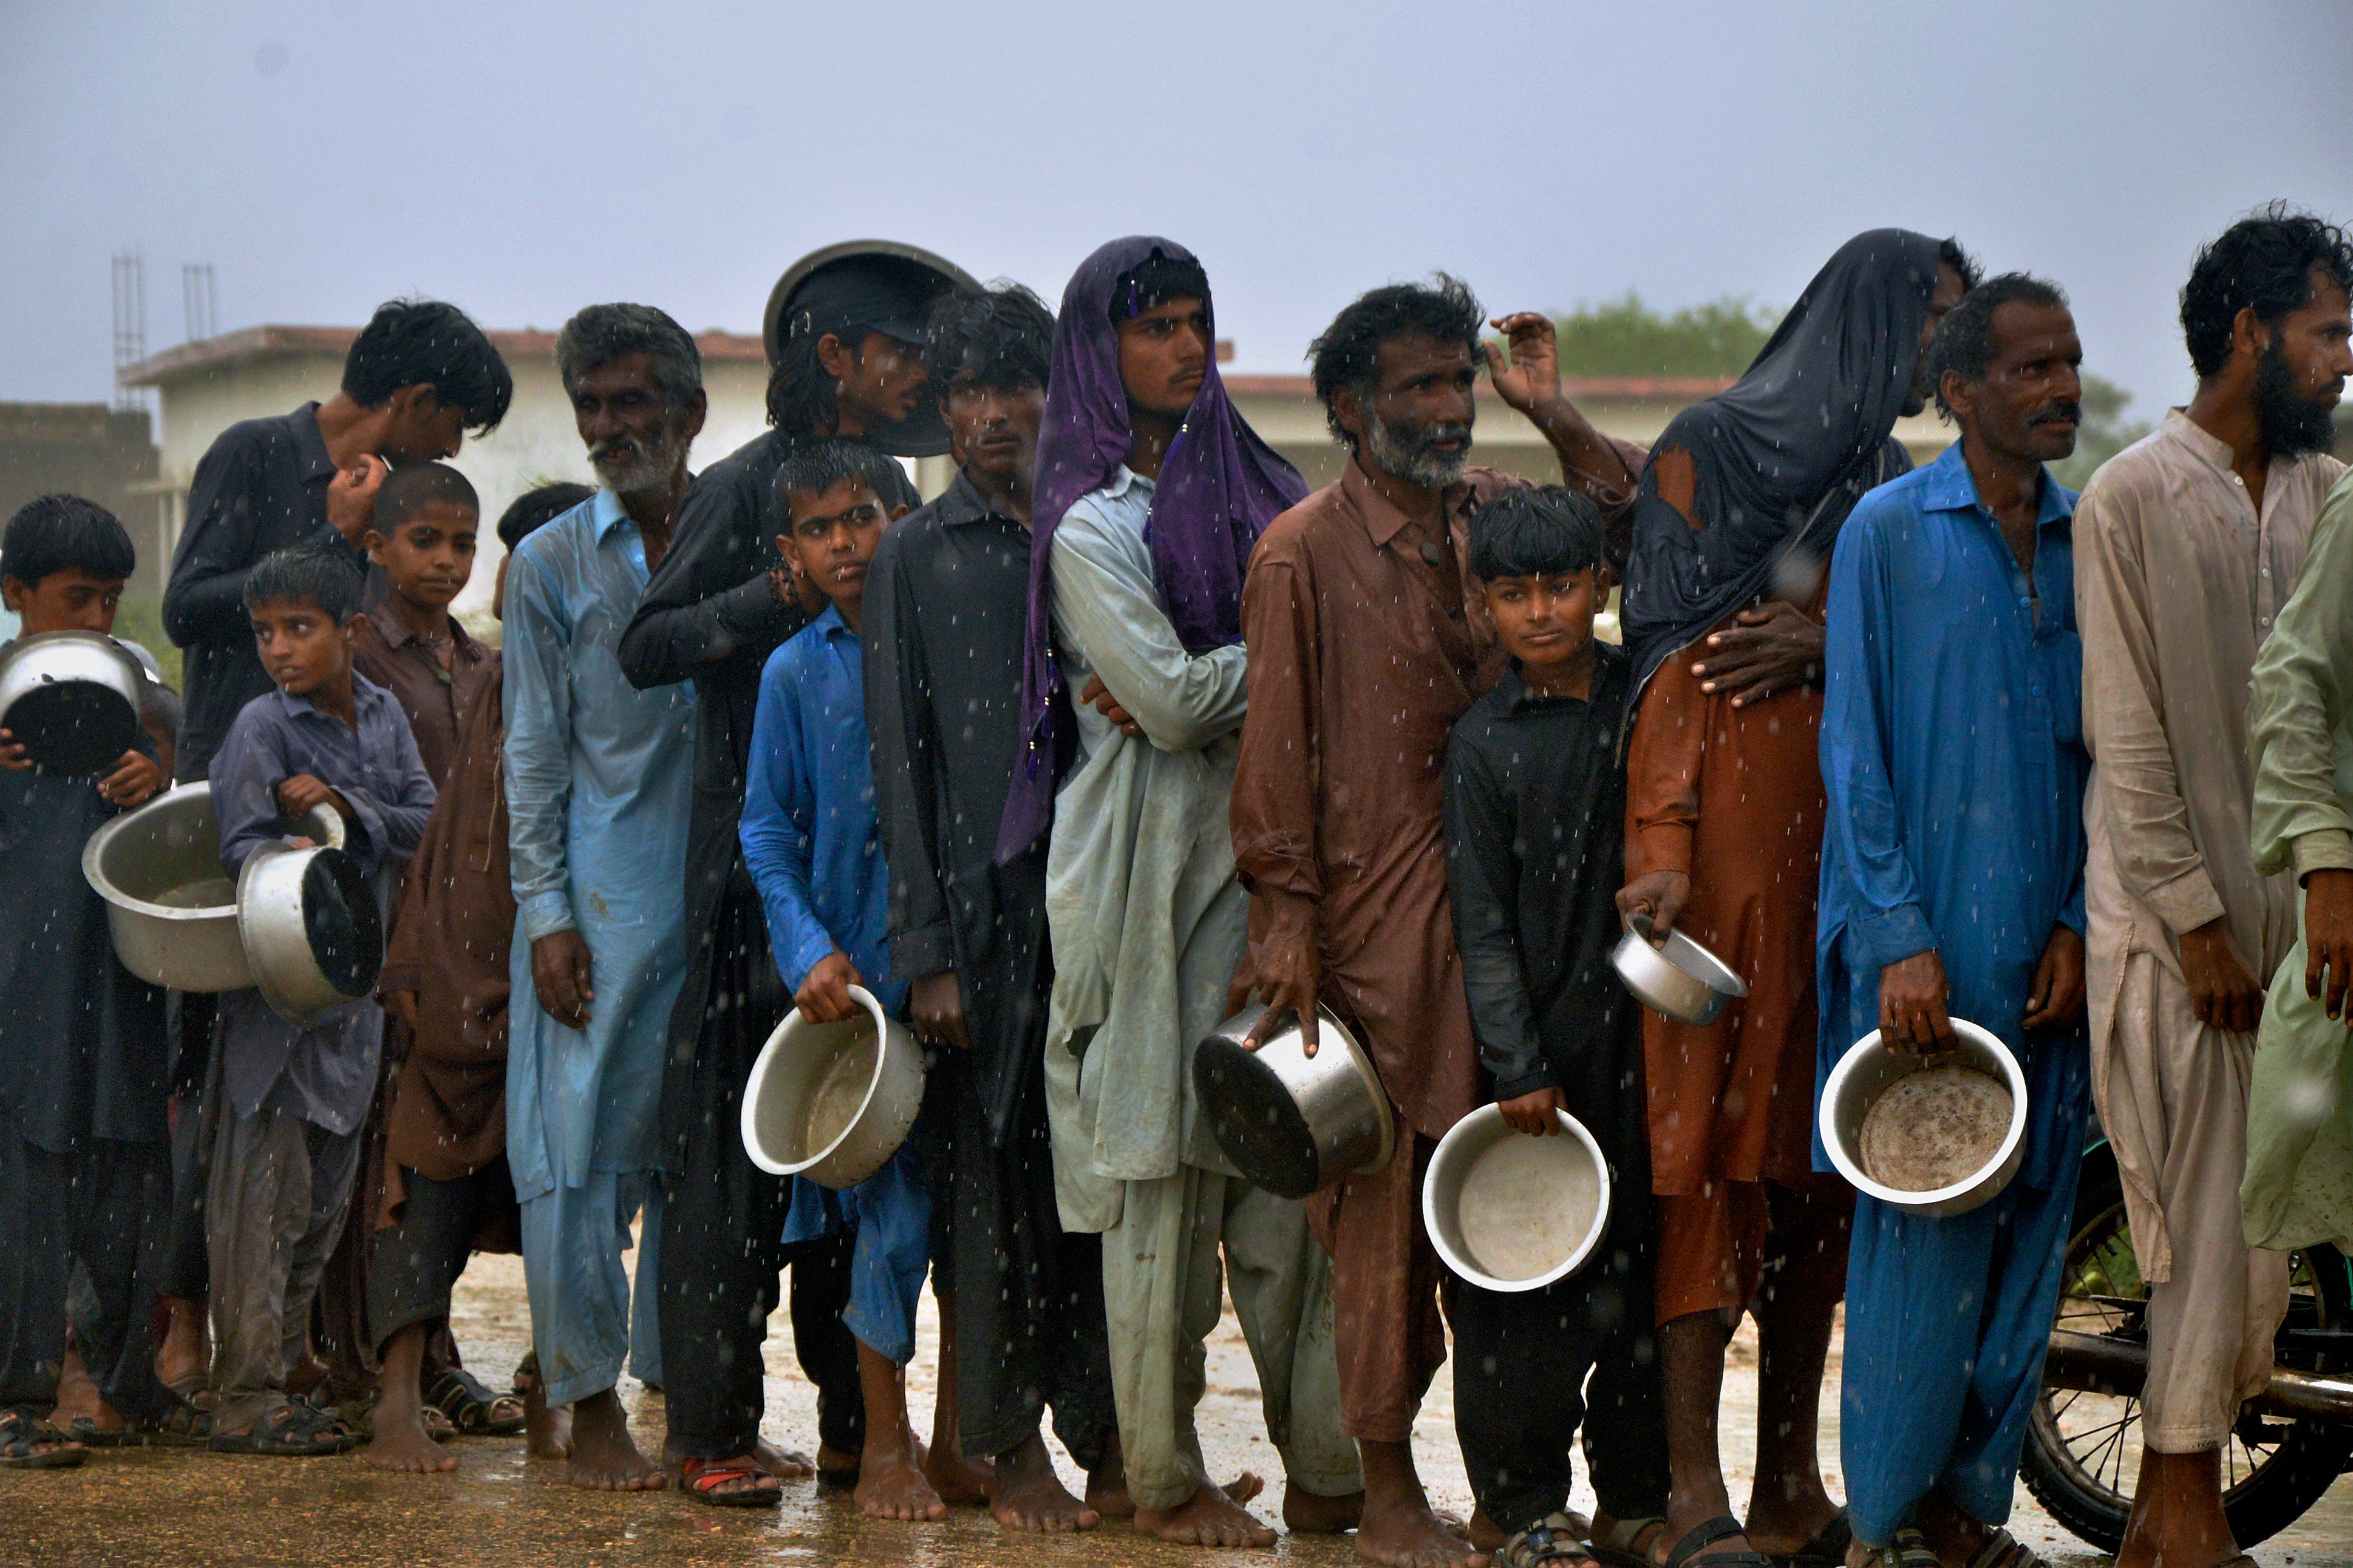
(599, 779)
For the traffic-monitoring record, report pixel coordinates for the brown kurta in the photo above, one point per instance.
(435, 700)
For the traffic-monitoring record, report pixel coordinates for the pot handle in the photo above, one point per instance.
(322, 825)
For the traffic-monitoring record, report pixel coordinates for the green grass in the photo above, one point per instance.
(140, 619)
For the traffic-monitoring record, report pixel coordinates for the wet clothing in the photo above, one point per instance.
(581, 1296)
(414, 1262)
(2299, 1179)
(103, 1207)
(436, 701)
(261, 486)
(1975, 852)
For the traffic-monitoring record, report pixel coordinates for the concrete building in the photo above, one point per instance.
(205, 387)
(89, 450)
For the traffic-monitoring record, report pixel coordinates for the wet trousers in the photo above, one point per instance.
(413, 1266)
(1163, 1293)
(573, 1238)
(101, 1206)
(888, 1218)
(274, 1205)
(1521, 1360)
(1389, 1290)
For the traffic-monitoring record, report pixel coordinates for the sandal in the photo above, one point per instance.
(29, 1443)
(474, 1410)
(1622, 1544)
(186, 1424)
(2001, 1550)
(293, 1430)
(1552, 1539)
(703, 1479)
(1707, 1534)
(1909, 1549)
(1826, 1549)
(90, 1435)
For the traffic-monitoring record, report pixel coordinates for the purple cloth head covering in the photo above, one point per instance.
(1219, 487)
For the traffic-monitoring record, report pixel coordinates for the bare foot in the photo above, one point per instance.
(306, 1375)
(1308, 1513)
(834, 1468)
(186, 1354)
(79, 1399)
(960, 1483)
(891, 1485)
(547, 1432)
(1208, 1518)
(1032, 1497)
(604, 1459)
(785, 1464)
(401, 1444)
(1411, 1537)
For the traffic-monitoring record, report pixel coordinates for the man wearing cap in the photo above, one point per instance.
(844, 345)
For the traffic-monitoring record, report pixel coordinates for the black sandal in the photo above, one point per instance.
(186, 1425)
(29, 1443)
(293, 1431)
(469, 1404)
(2003, 1549)
(1552, 1539)
(1707, 1534)
(1622, 1546)
(1826, 1549)
(1907, 1549)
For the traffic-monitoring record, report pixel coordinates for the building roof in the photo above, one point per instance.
(213, 354)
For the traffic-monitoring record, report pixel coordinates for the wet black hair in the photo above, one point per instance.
(1347, 354)
(62, 532)
(414, 485)
(425, 343)
(802, 395)
(2263, 262)
(601, 333)
(1001, 336)
(322, 573)
(1949, 252)
(1965, 343)
(818, 465)
(535, 509)
(1154, 282)
(1535, 530)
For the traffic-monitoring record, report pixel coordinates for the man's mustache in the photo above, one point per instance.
(2066, 409)
(617, 448)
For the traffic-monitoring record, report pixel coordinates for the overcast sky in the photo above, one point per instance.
(525, 159)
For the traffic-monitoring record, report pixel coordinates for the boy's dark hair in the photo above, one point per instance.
(412, 486)
(1535, 530)
(1001, 337)
(535, 509)
(1347, 354)
(2263, 262)
(600, 334)
(1964, 342)
(322, 573)
(1949, 252)
(818, 465)
(420, 342)
(1154, 282)
(63, 532)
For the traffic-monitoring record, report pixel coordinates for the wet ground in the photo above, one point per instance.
(177, 1507)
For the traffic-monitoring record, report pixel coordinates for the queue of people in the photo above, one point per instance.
(1128, 732)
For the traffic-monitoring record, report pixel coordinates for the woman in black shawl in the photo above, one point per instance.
(1739, 506)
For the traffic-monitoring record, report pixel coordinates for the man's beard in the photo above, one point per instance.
(1403, 451)
(632, 466)
(2291, 422)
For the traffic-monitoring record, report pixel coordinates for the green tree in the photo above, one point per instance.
(2104, 433)
(1626, 337)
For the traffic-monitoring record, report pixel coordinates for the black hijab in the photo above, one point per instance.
(1780, 457)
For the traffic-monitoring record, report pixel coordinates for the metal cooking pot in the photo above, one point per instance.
(923, 433)
(1867, 1070)
(833, 1101)
(1292, 1123)
(1508, 1212)
(72, 700)
(312, 935)
(1681, 980)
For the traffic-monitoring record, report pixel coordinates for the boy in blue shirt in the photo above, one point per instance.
(810, 841)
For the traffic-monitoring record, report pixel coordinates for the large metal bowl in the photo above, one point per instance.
(833, 1101)
(923, 433)
(312, 935)
(1868, 1070)
(1508, 1212)
(1681, 980)
(72, 700)
(1292, 1123)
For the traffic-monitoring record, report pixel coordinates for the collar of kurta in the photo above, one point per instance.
(366, 693)
(1607, 658)
(318, 468)
(398, 633)
(831, 625)
(610, 513)
(2216, 453)
(1950, 487)
(1382, 519)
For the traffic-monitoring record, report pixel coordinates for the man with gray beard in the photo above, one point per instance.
(1366, 646)
(600, 777)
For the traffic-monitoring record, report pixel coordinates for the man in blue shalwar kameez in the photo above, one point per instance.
(1953, 886)
(599, 779)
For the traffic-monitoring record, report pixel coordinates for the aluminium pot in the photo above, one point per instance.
(308, 921)
(1681, 980)
(1508, 1212)
(72, 700)
(1292, 1123)
(1868, 1070)
(833, 1101)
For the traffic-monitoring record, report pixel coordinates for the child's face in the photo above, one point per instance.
(833, 538)
(430, 555)
(301, 646)
(68, 601)
(1543, 621)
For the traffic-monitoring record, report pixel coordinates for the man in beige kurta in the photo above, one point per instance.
(2187, 546)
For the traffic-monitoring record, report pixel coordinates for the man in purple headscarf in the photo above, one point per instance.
(1143, 578)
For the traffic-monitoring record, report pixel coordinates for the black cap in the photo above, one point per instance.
(869, 285)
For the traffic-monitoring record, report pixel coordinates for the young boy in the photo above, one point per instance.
(810, 841)
(293, 1096)
(444, 981)
(82, 1153)
(1535, 807)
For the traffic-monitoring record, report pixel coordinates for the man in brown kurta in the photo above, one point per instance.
(1365, 648)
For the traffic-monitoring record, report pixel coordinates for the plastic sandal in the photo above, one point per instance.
(1707, 1534)
(701, 1478)
(472, 1408)
(294, 1431)
(25, 1444)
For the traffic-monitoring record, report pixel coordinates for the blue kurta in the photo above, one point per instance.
(1954, 767)
(600, 777)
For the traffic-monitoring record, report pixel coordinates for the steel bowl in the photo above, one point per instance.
(312, 935)
(1681, 980)
(72, 700)
(833, 1101)
(923, 433)
(1867, 1070)
(1292, 1123)
(1508, 1212)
